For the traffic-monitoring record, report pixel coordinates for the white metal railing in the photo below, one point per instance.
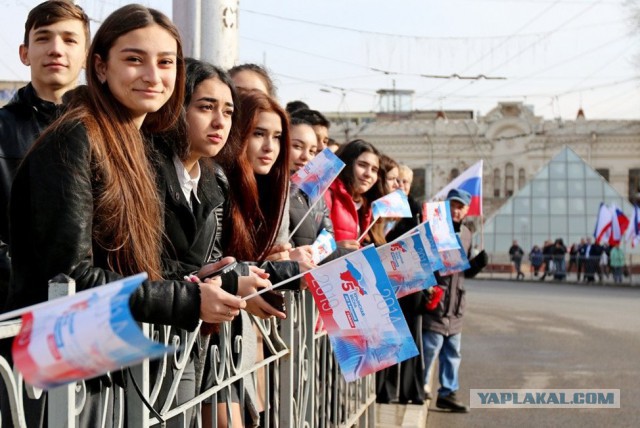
(297, 381)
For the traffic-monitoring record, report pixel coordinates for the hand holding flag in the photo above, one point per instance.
(316, 176)
(392, 205)
(323, 246)
(439, 219)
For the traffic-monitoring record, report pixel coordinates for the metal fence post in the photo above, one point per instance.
(310, 343)
(287, 388)
(61, 412)
(137, 414)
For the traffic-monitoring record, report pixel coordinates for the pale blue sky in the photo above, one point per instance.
(555, 54)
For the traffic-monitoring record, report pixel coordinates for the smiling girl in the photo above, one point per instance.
(349, 197)
(84, 202)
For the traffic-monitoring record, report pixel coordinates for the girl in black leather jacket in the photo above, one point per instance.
(84, 201)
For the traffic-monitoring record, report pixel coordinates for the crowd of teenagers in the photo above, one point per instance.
(163, 164)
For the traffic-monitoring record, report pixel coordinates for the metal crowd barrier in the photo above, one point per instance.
(301, 387)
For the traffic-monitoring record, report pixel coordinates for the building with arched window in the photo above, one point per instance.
(560, 201)
(522, 178)
(497, 183)
(510, 138)
(508, 180)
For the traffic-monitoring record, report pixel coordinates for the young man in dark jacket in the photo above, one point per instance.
(55, 45)
(442, 326)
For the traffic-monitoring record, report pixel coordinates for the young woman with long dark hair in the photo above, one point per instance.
(387, 182)
(350, 196)
(84, 202)
(196, 199)
(259, 176)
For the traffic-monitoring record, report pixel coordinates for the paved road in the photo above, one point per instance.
(533, 335)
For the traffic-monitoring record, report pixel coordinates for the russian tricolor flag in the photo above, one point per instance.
(471, 181)
(619, 226)
(633, 232)
(611, 225)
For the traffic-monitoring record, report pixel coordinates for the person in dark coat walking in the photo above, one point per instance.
(536, 259)
(516, 254)
(592, 255)
(547, 257)
(559, 253)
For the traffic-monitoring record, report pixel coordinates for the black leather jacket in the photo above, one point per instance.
(51, 232)
(192, 236)
(22, 120)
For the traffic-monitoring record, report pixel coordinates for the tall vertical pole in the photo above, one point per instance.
(220, 32)
(186, 16)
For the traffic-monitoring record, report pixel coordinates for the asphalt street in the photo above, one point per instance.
(547, 335)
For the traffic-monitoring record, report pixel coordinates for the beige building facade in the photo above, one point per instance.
(514, 143)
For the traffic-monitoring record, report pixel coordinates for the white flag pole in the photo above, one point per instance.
(264, 290)
(306, 214)
(367, 230)
(300, 275)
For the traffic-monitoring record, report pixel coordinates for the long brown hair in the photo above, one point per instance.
(349, 153)
(127, 212)
(386, 165)
(255, 215)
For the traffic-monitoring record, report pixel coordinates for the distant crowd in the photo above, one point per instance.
(587, 259)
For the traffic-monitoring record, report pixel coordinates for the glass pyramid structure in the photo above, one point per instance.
(561, 201)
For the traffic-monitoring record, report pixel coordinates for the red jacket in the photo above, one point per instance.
(343, 212)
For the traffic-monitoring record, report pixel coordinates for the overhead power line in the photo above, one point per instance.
(420, 38)
(378, 70)
(529, 46)
(558, 64)
(495, 48)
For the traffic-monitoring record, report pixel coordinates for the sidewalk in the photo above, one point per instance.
(401, 415)
(630, 281)
(396, 415)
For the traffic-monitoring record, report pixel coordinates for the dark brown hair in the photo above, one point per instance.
(53, 11)
(198, 71)
(386, 164)
(127, 211)
(260, 71)
(257, 203)
(349, 153)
